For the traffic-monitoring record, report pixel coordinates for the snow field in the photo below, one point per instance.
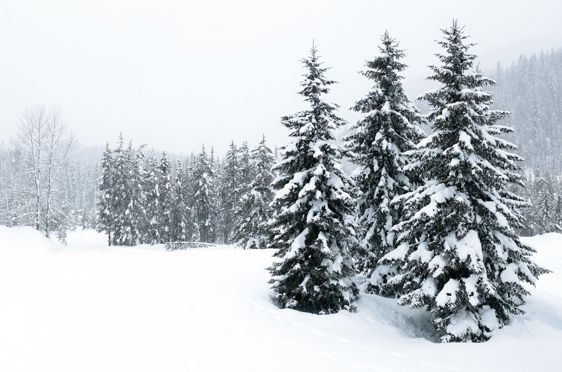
(89, 307)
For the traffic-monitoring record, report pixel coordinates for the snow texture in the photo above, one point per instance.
(88, 307)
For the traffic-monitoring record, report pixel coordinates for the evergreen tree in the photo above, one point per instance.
(134, 211)
(228, 191)
(105, 217)
(253, 210)
(215, 166)
(558, 213)
(245, 173)
(377, 145)
(457, 252)
(181, 211)
(311, 223)
(543, 218)
(151, 189)
(164, 199)
(141, 195)
(124, 204)
(203, 197)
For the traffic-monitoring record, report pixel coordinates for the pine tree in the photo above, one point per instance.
(245, 173)
(164, 199)
(181, 211)
(377, 145)
(311, 223)
(558, 213)
(203, 197)
(105, 216)
(253, 210)
(457, 252)
(228, 191)
(151, 189)
(141, 217)
(543, 218)
(134, 210)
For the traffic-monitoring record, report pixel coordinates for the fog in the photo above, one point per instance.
(176, 74)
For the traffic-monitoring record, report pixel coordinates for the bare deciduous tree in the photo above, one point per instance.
(45, 142)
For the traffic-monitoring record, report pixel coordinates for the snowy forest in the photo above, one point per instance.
(528, 89)
(431, 218)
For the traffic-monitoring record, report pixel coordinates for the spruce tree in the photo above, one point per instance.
(543, 218)
(558, 213)
(203, 197)
(181, 212)
(253, 209)
(311, 224)
(377, 143)
(228, 191)
(151, 188)
(164, 199)
(245, 171)
(457, 252)
(105, 215)
(134, 211)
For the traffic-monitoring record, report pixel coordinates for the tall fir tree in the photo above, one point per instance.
(151, 187)
(253, 209)
(180, 216)
(245, 170)
(134, 212)
(203, 197)
(228, 191)
(311, 224)
(164, 199)
(457, 253)
(558, 213)
(542, 215)
(105, 206)
(377, 143)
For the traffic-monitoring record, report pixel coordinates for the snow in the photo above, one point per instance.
(88, 307)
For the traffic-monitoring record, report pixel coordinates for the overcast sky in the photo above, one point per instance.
(176, 74)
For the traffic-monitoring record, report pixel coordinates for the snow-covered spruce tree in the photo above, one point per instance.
(151, 189)
(457, 252)
(203, 194)
(542, 205)
(181, 211)
(558, 213)
(164, 198)
(228, 192)
(253, 209)
(311, 224)
(124, 196)
(215, 166)
(245, 173)
(389, 127)
(134, 213)
(105, 215)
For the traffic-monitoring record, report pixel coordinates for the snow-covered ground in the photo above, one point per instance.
(88, 307)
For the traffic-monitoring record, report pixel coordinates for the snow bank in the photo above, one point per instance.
(88, 307)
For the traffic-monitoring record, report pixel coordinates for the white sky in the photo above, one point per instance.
(176, 74)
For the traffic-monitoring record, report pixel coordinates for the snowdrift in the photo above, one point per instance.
(89, 307)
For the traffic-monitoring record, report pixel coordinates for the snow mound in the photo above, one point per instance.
(89, 307)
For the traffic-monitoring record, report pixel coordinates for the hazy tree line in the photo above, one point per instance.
(64, 194)
(531, 90)
(144, 198)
